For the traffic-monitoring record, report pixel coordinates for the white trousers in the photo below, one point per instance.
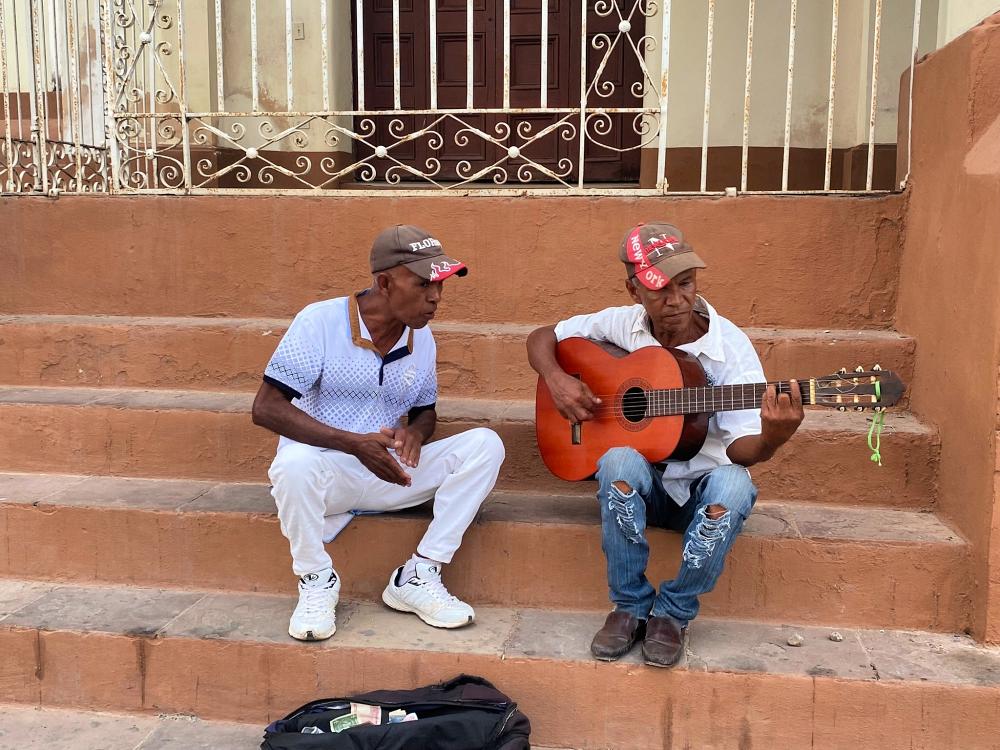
(316, 489)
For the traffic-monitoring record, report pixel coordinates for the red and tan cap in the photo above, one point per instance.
(654, 253)
(410, 246)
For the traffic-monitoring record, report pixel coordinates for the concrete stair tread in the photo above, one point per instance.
(34, 728)
(769, 519)
(858, 566)
(449, 409)
(227, 656)
(714, 645)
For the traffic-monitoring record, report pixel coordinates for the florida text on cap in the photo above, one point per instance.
(657, 252)
(410, 246)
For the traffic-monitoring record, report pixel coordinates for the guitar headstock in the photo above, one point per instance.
(862, 389)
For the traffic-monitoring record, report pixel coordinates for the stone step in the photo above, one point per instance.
(203, 435)
(794, 561)
(474, 359)
(34, 728)
(802, 262)
(228, 657)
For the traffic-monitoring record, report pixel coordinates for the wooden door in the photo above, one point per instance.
(448, 148)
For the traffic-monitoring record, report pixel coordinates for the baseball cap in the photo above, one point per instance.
(656, 252)
(410, 246)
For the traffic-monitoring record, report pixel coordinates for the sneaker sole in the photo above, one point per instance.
(309, 636)
(393, 603)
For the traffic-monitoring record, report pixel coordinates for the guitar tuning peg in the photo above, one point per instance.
(841, 408)
(876, 367)
(859, 368)
(842, 371)
(859, 408)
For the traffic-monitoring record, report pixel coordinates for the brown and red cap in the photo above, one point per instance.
(654, 253)
(410, 246)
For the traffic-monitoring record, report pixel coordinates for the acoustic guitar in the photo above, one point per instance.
(658, 401)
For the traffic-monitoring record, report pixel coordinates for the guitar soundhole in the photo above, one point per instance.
(634, 404)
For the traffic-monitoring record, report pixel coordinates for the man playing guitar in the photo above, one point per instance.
(708, 497)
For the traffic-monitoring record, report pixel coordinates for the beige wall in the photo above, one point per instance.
(955, 17)
(307, 80)
(769, 71)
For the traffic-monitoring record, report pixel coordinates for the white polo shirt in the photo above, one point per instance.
(327, 362)
(727, 356)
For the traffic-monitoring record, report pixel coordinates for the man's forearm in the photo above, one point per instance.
(542, 351)
(280, 416)
(750, 450)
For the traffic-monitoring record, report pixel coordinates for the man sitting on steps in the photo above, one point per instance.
(344, 375)
(706, 498)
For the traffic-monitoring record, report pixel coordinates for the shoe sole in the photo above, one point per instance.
(674, 663)
(661, 666)
(309, 636)
(392, 602)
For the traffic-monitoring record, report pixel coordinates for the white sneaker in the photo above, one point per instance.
(425, 595)
(315, 616)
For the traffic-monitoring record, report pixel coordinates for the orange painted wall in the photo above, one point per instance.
(949, 290)
(821, 262)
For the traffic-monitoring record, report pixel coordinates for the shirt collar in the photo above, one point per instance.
(710, 344)
(359, 331)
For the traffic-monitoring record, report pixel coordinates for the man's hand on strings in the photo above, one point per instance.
(780, 415)
(572, 397)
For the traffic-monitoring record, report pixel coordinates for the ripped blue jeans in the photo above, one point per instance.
(625, 516)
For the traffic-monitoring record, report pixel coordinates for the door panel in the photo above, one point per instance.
(448, 149)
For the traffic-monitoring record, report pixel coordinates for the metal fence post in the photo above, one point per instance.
(39, 110)
(107, 45)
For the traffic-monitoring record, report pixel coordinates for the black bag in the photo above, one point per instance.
(466, 713)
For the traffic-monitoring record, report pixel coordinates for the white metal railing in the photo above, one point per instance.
(577, 96)
(51, 97)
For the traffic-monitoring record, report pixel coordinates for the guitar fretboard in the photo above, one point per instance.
(672, 401)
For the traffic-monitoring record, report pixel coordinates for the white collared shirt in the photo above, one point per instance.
(326, 360)
(727, 356)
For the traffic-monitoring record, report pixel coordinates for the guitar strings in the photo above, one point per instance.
(614, 404)
(661, 393)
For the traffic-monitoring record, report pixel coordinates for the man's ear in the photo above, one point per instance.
(383, 280)
(632, 292)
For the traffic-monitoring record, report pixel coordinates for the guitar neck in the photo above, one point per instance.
(714, 398)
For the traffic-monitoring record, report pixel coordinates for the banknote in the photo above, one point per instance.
(367, 714)
(344, 722)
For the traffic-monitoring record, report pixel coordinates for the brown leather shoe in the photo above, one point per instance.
(664, 643)
(620, 632)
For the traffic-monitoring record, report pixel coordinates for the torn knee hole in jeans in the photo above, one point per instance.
(621, 501)
(707, 534)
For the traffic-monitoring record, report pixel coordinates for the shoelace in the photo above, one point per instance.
(435, 587)
(315, 601)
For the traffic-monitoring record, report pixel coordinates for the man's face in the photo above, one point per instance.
(670, 308)
(412, 299)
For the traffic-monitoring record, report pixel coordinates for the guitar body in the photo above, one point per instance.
(618, 379)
